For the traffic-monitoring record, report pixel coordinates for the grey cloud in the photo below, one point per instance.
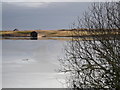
(55, 16)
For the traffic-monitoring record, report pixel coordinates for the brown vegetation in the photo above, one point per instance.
(58, 33)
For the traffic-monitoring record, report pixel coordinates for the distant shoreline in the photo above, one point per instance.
(55, 33)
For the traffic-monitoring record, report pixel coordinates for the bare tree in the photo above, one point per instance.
(92, 57)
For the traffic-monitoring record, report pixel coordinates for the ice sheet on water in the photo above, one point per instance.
(31, 64)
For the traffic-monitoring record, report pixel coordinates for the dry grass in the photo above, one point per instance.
(53, 33)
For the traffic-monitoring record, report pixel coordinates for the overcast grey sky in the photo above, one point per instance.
(46, 16)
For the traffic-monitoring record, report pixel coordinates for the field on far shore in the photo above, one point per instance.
(54, 33)
(26, 33)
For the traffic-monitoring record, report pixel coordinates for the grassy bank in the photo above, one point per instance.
(53, 33)
(47, 33)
